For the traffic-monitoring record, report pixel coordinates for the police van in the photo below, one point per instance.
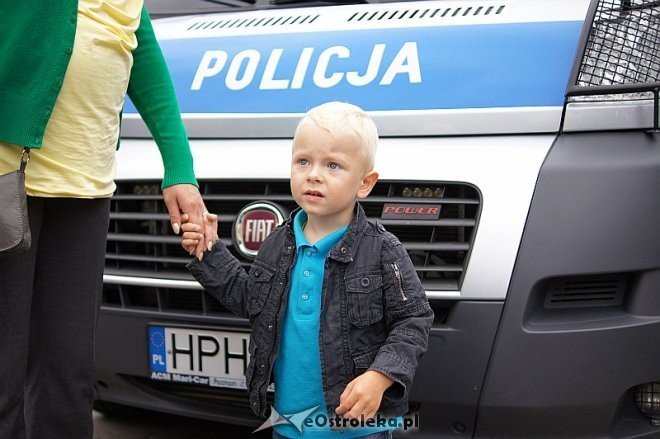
(519, 165)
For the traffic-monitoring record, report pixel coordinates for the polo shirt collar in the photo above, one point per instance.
(323, 245)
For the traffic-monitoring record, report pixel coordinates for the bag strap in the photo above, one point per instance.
(25, 158)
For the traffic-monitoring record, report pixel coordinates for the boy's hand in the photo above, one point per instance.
(186, 199)
(192, 233)
(362, 396)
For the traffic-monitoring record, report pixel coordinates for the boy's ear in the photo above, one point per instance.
(367, 184)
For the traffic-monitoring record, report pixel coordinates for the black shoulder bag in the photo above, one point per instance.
(15, 235)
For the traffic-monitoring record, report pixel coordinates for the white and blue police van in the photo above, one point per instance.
(519, 165)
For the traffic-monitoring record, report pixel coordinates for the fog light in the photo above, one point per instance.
(647, 398)
(426, 192)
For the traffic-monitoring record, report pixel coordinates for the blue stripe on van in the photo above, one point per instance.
(507, 65)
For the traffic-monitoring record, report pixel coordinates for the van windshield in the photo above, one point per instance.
(173, 8)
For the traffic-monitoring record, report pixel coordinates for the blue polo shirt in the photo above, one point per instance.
(297, 370)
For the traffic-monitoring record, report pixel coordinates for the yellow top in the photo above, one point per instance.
(78, 155)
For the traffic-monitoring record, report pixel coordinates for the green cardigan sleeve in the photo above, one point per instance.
(151, 90)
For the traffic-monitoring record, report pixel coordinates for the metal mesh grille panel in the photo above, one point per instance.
(623, 45)
(647, 398)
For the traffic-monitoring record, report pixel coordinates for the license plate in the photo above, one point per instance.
(198, 356)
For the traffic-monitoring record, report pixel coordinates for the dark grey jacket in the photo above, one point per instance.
(374, 311)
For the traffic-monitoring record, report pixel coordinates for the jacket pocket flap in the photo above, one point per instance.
(260, 274)
(364, 283)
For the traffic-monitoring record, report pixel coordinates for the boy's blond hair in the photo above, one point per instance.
(341, 118)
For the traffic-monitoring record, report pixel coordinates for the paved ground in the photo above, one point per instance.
(150, 425)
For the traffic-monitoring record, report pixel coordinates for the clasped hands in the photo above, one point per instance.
(185, 205)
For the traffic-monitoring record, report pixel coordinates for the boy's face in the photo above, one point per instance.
(328, 175)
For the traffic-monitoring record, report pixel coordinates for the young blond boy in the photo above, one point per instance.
(339, 317)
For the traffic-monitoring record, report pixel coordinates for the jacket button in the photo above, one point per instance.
(257, 273)
(262, 365)
(365, 281)
(270, 327)
(342, 250)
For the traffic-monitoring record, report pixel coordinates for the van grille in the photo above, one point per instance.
(142, 244)
(585, 291)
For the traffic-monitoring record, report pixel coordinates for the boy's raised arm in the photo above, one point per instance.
(219, 272)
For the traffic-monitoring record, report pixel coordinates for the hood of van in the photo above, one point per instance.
(438, 60)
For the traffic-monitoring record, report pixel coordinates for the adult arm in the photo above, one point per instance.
(151, 90)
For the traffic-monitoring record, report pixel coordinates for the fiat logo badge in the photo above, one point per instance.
(253, 224)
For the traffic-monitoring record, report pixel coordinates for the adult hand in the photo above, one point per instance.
(185, 198)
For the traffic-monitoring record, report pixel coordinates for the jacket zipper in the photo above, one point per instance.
(399, 280)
